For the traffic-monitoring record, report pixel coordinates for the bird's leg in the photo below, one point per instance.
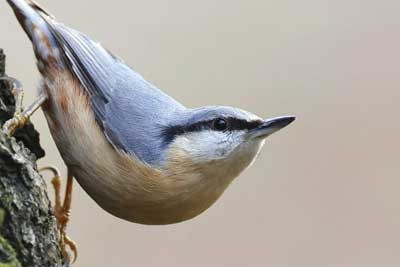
(62, 211)
(64, 216)
(20, 116)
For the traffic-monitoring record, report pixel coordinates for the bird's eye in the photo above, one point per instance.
(220, 124)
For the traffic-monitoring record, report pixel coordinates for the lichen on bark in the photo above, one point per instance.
(28, 230)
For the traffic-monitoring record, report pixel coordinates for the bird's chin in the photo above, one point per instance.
(243, 156)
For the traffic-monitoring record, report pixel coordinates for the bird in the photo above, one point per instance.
(139, 153)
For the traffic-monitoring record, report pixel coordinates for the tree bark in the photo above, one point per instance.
(28, 229)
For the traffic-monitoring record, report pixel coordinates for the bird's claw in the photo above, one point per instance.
(19, 119)
(62, 215)
(16, 122)
(72, 246)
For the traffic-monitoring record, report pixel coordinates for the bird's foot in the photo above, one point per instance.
(62, 213)
(21, 116)
(19, 119)
(16, 122)
(62, 217)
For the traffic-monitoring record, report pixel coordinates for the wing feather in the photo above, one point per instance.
(121, 99)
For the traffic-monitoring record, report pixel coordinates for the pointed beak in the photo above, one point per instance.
(271, 126)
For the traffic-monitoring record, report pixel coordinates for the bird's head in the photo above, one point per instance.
(223, 140)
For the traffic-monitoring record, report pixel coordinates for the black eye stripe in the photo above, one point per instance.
(238, 124)
(234, 124)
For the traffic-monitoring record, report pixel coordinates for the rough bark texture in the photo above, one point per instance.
(28, 233)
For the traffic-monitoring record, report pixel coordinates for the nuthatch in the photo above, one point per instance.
(140, 154)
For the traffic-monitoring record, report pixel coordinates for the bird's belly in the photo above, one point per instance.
(117, 182)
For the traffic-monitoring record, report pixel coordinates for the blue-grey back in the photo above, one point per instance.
(130, 110)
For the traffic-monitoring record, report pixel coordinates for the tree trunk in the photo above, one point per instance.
(28, 229)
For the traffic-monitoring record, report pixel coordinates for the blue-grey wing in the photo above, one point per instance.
(128, 108)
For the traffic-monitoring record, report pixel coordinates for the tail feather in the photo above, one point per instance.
(33, 20)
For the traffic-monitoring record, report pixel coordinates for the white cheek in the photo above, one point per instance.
(208, 145)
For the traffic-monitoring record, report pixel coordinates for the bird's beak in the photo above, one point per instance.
(270, 126)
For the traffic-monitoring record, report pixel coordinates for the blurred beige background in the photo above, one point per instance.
(324, 192)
